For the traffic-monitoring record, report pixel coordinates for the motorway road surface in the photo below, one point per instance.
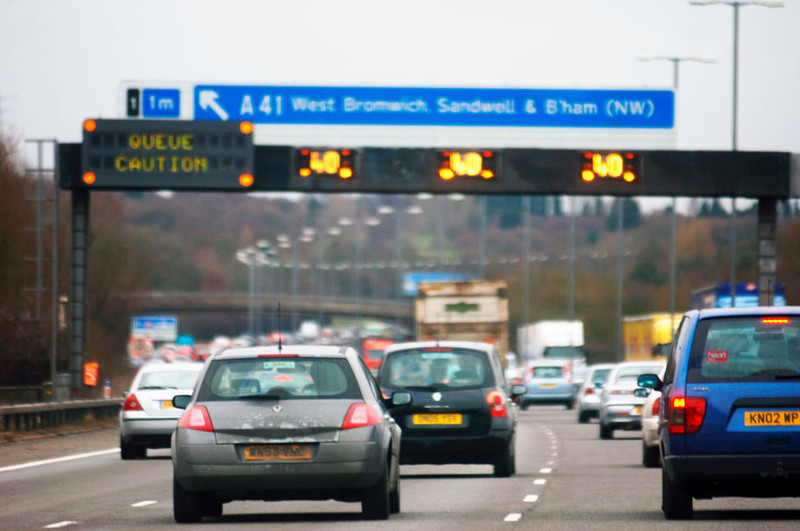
(567, 479)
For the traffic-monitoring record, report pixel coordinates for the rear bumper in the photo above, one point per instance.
(708, 476)
(482, 449)
(153, 433)
(333, 467)
(621, 416)
(562, 398)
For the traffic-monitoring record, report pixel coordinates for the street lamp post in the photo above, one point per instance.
(675, 60)
(735, 4)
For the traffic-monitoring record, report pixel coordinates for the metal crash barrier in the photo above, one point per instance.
(29, 417)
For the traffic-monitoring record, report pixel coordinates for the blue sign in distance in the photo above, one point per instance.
(626, 109)
(155, 327)
(161, 103)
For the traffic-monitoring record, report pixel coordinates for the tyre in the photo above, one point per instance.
(570, 405)
(504, 464)
(186, 505)
(212, 506)
(675, 502)
(583, 417)
(650, 456)
(375, 500)
(131, 451)
(606, 432)
(394, 496)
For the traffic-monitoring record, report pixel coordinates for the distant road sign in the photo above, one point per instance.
(155, 327)
(161, 103)
(497, 107)
(159, 154)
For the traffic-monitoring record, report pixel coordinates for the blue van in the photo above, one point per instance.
(730, 407)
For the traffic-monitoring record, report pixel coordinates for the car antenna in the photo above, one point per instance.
(280, 340)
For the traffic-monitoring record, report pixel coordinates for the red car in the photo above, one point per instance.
(372, 350)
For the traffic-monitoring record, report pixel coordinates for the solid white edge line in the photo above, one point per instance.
(58, 460)
(512, 517)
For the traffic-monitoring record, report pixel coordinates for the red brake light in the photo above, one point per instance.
(565, 371)
(655, 408)
(589, 391)
(497, 403)
(196, 418)
(686, 414)
(132, 404)
(360, 415)
(776, 320)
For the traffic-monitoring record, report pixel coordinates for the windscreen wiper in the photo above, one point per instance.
(795, 376)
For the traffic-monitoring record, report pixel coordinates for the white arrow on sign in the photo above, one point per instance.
(208, 98)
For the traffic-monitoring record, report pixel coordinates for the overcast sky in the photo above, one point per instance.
(63, 61)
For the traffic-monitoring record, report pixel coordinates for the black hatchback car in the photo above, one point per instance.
(461, 411)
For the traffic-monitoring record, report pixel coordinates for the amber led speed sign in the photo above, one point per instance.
(610, 165)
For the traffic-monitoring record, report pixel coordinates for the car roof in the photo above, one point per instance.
(323, 351)
(474, 345)
(175, 366)
(756, 310)
(638, 363)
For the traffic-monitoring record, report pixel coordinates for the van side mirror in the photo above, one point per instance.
(650, 381)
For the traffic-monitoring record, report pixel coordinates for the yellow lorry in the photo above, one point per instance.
(649, 336)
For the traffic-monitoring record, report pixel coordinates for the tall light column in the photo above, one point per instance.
(735, 4)
(675, 60)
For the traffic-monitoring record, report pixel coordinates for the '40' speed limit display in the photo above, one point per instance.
(456, 164)
(610, 165)
(325, 163)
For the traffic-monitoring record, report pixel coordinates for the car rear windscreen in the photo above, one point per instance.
(745, 349)
(436, 367)
(281, 377)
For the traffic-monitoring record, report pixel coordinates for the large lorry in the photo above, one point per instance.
(551, 339)
(649, 336)
(719, 296)
(470, 310)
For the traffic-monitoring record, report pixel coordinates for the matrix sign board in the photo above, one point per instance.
(159, 154)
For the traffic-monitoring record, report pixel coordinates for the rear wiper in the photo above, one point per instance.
(422, 387)
(260, 397)
(152, 387)
(795, 376)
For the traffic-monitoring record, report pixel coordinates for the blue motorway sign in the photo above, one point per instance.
(155, 327)
(161, 103)
(496, 107)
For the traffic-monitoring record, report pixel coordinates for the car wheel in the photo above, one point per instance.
(570, 405)
(131, 451)
(212, 506)
(394, 496)
(186, 505)
(504, 463)
(583, 417)
(523, 406)
(606, 432)
(375, 500)
(650, 456)
(675, 502)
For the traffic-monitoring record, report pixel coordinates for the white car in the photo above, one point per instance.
(587, 399)
(620, 408)
(651, 457)
(148, 418)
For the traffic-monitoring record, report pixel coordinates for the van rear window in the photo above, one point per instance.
(745, 349)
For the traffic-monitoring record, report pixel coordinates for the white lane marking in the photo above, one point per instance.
(59, 525)
(540, 482)
(58, 460)
(530, 498)
(144, 503)
(512, 517)
(545, 470)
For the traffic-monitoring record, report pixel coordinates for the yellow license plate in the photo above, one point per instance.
(277, 452)
(548, 385)
(437, 418)
(167, 404)
(772, 418)
(637, 410)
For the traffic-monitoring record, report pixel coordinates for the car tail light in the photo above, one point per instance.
(589, 391)
(196, 418)
(132, 404)
(621, 392)
(566, 372)
(685, 414)
(497, 403)
(655, 408)
(360, 415)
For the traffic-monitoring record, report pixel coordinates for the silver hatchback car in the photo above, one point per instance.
(285, 423)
